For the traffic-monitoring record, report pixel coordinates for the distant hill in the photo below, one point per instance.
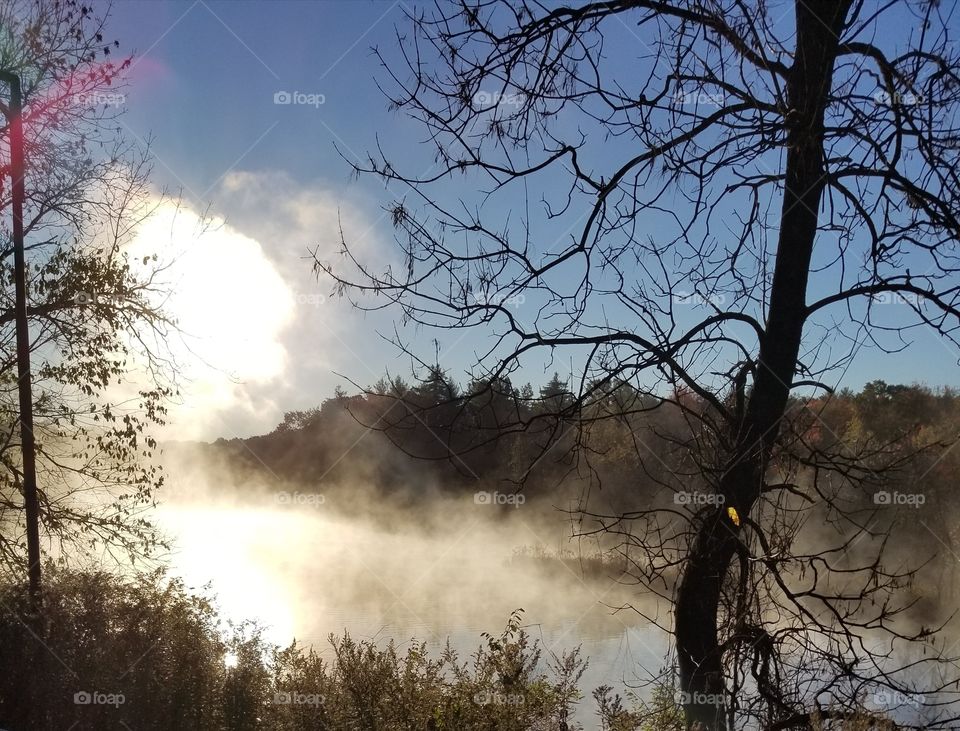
(408, 443)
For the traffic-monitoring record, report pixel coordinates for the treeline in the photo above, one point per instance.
(627, 447)
(405, 440)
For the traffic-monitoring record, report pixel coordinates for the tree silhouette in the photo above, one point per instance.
(718, 202)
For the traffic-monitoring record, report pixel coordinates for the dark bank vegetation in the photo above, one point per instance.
(146, 653)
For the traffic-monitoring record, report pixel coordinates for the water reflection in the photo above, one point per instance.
(306, 571)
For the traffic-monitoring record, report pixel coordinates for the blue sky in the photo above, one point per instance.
(202, 89)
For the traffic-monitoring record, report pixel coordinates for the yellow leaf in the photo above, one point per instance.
(732, 512)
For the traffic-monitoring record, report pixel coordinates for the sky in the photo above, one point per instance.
(202, 92)
(206, 90)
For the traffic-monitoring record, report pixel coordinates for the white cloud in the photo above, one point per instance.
(260, 334)
(231, 305)
(291, 220)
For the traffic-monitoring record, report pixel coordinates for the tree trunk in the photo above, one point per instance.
(819, 24)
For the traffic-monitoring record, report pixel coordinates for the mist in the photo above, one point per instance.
(306, 566)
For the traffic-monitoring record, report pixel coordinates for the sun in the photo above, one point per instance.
(230, 304)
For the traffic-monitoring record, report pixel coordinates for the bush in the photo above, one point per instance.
(144, 652)
(109, 650)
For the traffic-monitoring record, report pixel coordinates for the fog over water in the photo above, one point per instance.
(429, 567)
(305, 565)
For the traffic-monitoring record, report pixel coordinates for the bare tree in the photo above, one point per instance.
(709, 200)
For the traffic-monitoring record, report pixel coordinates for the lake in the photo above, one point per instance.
(304, 569)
